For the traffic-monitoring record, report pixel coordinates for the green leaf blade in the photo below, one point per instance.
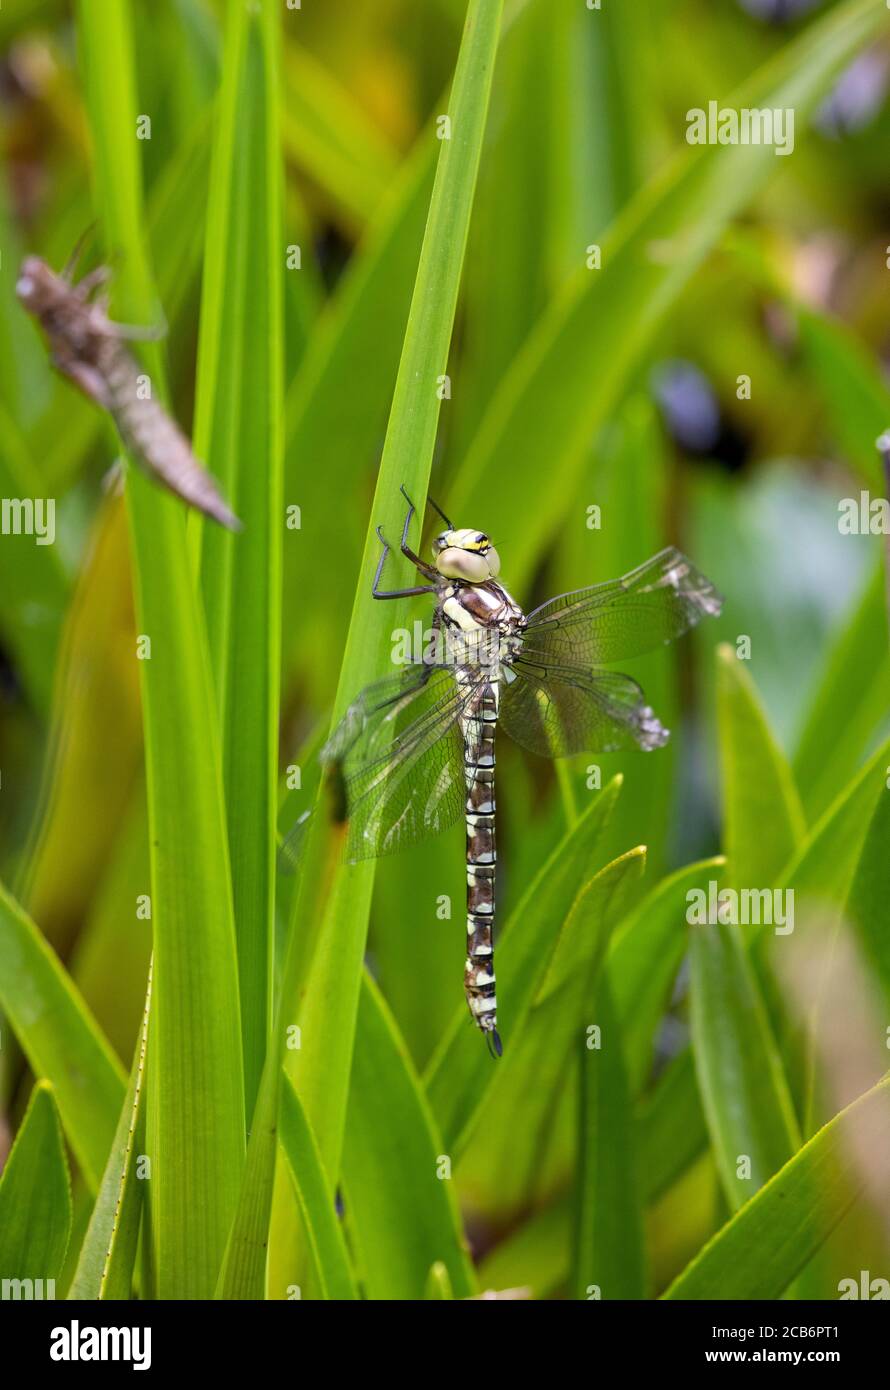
(195, 1115)
(239, 430)
(609, 1243)
(399, 1199)
(521, 1147)
(745, 1094)
(644, 956)
(35, 1197)
(316, 1199)
(108, 1252)
(763, 818)
(59, 1037)
(766, 1244)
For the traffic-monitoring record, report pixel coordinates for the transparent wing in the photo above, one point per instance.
(563, 709)
(400, 751)
(625, 617)
(290, 851)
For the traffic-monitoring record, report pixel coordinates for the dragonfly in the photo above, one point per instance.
(416, 751)
(88, 348)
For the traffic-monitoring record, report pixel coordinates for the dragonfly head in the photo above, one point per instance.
(37, 286)
(468, 555)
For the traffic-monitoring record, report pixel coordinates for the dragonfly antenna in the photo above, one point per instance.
(68, 272)
(438, 509)
(433, 504)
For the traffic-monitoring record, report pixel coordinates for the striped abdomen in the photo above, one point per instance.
(479, 983)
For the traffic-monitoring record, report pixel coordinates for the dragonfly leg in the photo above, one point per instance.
(93, 281)
(411, 511)
(394, 593)
(134, 332)
(90, 380)
(405, 548)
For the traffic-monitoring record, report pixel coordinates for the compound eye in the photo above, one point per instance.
(30, 278)
(494, 562)
(463, 564)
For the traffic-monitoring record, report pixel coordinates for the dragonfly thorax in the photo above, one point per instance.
(481, 624)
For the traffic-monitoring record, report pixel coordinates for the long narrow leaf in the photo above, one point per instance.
(95, 724)
(397, 1180)
(35, 1198)
(671, 1128)
(744, 1090)
(853, 389)
(238, 430)
(108, 1253)
(519, 1137)
(330, 136)
(337, 403)
(317, 1202)
(195, 1085)
(644, 956)
(766, 1244)
(825, 863)
(870, 892)
(761, 809)
(609, 1249)
(61, 1041)
(850, 701)
(34, 583)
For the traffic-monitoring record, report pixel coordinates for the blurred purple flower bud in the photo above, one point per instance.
(857, 97)
(688, 404)
(778, 11)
